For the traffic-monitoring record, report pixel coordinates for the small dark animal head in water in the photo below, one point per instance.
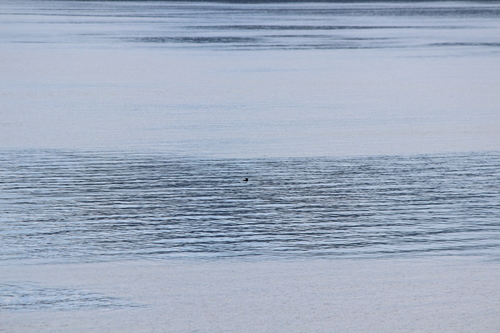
(245, 180)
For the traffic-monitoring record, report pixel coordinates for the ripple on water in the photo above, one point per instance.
(76, 206)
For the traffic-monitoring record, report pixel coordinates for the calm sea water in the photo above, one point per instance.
(127, 128)
(250, 80)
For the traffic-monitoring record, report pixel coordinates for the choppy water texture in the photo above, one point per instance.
(70, 206)
(30, 297)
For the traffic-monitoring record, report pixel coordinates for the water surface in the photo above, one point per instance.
(366, 130)
(251, 80)
(67, 206)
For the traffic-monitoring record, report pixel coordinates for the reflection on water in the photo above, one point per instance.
(95, 206)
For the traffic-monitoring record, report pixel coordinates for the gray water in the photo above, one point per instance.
(127, 129)
(67, 206)
(250, 80)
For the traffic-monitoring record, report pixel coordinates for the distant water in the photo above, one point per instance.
(75, 206)
(250, 80)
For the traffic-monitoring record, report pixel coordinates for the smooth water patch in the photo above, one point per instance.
(77, 206)
(323, 296)
(250, 80)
